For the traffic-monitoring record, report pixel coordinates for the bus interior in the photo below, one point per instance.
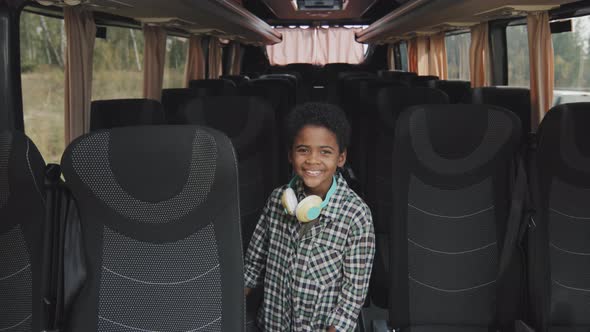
(140, 139)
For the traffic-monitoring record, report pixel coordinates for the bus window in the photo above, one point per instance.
(118, 62)
(457, 46)
(403, 50)
(572, 62)
(176, 54)
(42, 44)
(517, 44)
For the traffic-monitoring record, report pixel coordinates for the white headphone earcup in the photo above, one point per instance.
(289, 200)
(309, 202)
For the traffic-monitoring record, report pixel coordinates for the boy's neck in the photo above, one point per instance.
(322, 194)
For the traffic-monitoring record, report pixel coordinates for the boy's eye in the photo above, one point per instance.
(302, 150)
(326, 152)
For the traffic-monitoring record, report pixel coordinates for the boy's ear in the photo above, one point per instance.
(342, 158)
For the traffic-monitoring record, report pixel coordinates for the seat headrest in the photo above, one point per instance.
(149, 174)
(244, 119)
(563, 135)
(455, 139)
(208, 87)
(391, 101)
(106, 114)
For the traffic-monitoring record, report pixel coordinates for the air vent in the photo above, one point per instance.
(319, 4)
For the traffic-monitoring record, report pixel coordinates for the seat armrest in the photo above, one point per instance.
(380, 326)
(520, 326)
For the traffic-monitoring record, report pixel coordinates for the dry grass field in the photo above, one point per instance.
(43, 101)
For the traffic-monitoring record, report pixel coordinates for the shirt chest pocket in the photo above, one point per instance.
(325, 264)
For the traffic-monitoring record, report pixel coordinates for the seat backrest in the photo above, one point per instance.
(107, 114)
(237, 79)
(249, 123)
(293, 78)
(451, 201)
(306, 70)
(158, 209)
(559, 270)
(517, 100)
(22, 229)
(357, 73)
(332, 71)
(281, 95)
(173, 101)
(209, 87)
(398, 75)
(458, 91)
(423, 81)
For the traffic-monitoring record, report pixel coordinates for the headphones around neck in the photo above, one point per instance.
(310, 207)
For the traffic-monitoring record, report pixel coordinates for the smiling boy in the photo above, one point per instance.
(315, 274)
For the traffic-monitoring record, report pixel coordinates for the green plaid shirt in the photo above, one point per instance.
(317, 275)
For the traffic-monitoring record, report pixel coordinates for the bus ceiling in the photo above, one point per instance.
(424, 17)
(213, 17)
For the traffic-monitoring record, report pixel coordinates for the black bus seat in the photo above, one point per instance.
(159, 219)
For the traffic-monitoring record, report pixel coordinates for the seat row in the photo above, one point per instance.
(255, 129)
(144, 234)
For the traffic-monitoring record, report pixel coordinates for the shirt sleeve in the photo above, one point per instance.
(255, 259)
(358, 261)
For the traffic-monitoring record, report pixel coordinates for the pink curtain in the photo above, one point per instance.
(215, 58)
(390, 57)
(317, 46)
(235, 61)
(338, 45)
(423, 53)
(479, 55)
(154, 57)
(195, 64)
(413, 55)
(80, 33)
(541, 65)
(438, 56)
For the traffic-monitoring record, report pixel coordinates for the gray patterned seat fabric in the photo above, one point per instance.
(158, 209)
(451, 187)
(559, 245)
(22, 214)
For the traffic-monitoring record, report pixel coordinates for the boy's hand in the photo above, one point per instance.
(332, 329)
(247, 291)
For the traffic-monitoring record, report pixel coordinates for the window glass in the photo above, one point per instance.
(176, 55)
(572, 56)
(517, 44)
(42, 43)
(118, 65)
(457, 46)
(403, 50)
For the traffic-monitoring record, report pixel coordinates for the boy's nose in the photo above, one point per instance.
(312, 159)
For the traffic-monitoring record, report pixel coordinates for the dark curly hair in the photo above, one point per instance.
(324, 115)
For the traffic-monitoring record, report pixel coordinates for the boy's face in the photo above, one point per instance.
(315, 156)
